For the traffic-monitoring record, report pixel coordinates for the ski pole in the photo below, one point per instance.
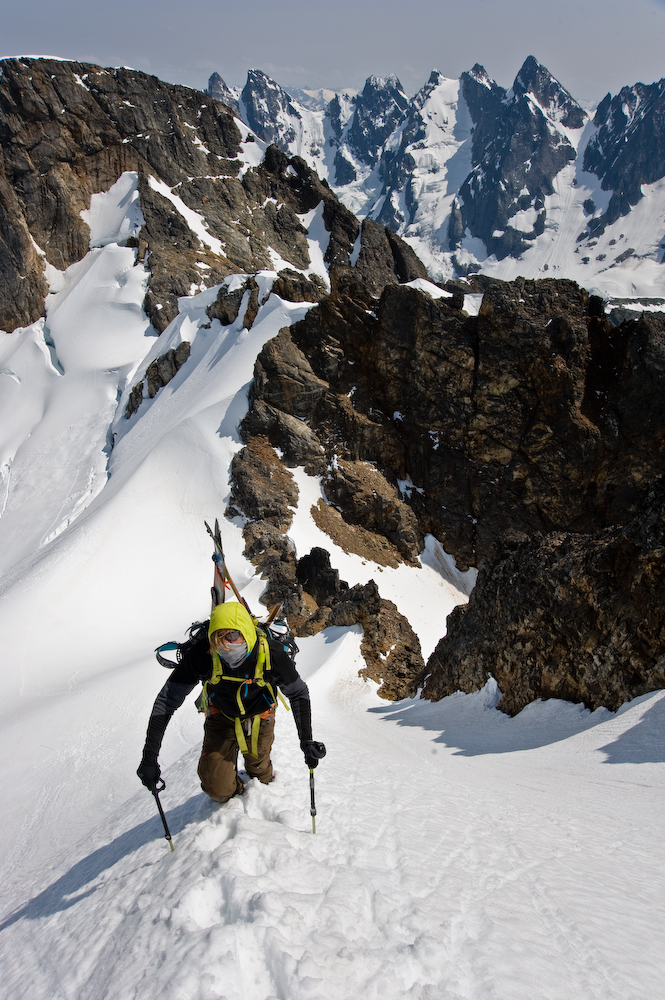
(167, 833)
(312, 808)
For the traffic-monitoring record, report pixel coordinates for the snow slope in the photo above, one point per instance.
(437, 148)
(458, 853)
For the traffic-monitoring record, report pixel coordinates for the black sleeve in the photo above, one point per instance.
(295, 689)
(167, 701)
(298, 695)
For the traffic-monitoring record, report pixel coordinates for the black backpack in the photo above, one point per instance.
(196, 646)
(279, 631)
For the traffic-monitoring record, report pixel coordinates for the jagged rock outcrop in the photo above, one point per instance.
(226, 306)
(519, 146)
(158, 374)
(389, 645)
(309, 590)
(564, 615)
(218, 89)
(628, 149)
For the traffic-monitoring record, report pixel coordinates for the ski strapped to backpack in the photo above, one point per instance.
(222, 578)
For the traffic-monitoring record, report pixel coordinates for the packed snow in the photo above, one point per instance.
(458, 853)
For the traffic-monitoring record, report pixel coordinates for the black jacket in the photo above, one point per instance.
(196, 667)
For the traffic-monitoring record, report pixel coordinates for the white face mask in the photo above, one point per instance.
(233, 654)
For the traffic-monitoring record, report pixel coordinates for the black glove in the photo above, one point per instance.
(149, 772)
(313, 752)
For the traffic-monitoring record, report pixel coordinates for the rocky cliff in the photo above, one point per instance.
(68, 130)
(524, 438)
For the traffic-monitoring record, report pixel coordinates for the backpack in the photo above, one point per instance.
(197, 643)
(279, 631)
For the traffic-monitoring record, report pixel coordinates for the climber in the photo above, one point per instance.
(243, 670)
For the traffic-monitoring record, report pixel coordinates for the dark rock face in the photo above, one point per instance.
(379, 109)
(158, 374)
(69, 130)
(219, 90)
(565, 615)
(294, 287)
(385, 259)
(528, 433)
(628, 149)
(226, 306)
(268, 108)
(517, 152)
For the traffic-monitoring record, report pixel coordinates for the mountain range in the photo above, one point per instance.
(478, 178)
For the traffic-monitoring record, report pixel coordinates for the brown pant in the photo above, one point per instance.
(219, 754)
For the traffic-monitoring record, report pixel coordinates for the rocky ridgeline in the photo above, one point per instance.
(470, 158)
(70, 129)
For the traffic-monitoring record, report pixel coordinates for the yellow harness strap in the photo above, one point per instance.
(263, 658)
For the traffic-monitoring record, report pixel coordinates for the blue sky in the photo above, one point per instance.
(591, 46)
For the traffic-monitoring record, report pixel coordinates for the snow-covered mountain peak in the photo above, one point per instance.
(278, 118)
(218, 89)
(556, 102)
(480, 75)
(379, 109)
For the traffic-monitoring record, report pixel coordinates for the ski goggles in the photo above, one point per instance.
(232, 635)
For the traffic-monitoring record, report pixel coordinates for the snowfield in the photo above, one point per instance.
(458, 854)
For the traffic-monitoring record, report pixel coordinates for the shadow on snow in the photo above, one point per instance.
(64, 892)
(472, 725)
